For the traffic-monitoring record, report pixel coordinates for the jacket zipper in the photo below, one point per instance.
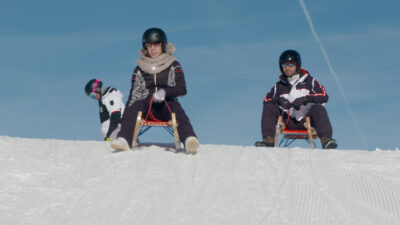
(155, 81)
(155, 78)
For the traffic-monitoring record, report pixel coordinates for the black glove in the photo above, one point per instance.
(298, 102)
(284, 103)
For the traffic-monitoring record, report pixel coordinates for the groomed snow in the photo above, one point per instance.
(57, 182)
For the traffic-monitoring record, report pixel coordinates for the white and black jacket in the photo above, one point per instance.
(111, 108)
(306, 85)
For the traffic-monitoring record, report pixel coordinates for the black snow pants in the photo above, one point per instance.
(161, 112)
(318, 115)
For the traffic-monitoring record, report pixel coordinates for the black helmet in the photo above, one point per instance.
(154, 35)
(93, 86)
(290, 56)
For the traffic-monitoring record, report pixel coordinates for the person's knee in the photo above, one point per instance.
(317, 108)
(136, 107)
(176, 107)
(271, 110)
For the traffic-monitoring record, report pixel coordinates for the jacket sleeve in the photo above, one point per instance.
(272, 96)
(176, 82)
(317, 93)
(114, 120)
(138, 88)
(114, 105)
(132, 90)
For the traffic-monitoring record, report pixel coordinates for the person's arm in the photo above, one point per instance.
(114, 105)
(272, 96)
(317, 93)
(114, 120)
(177, 86)
(138, 88)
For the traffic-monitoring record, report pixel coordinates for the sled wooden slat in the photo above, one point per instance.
(309, 134)
(154, 123)
(141, 123)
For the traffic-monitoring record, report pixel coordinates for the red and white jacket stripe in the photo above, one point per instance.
(306, 85)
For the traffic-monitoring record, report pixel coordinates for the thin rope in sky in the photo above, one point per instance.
(310, 23)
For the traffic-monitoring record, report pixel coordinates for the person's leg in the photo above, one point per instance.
(185, 128)
(269, 118)
(292, 124)
(160, 111)
(320, 121)
(129, 120)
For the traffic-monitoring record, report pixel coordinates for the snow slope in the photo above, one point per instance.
(48, 182)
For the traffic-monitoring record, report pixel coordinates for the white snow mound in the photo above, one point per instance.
(48, 182)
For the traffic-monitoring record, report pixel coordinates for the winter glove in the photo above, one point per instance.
(284, 103)
(298, 102)
(159, 96)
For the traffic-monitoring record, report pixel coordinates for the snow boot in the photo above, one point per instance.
(120, 144)
(328, 143)
(191, 145)
(266, 142)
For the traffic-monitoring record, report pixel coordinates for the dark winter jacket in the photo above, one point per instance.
(111, 107)
(306, 86)
(145, 82)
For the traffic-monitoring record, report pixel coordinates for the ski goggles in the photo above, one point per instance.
(92, 95)
(94, 87)
(288, 65)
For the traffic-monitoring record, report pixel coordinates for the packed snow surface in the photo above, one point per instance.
(57, 182)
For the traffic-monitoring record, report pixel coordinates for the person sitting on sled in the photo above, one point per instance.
(296, 95)
(111, 107)
(158, 77)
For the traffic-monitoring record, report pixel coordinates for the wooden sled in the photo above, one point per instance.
(289, 136)
(144, 124)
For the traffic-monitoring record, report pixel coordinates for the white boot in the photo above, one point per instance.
(120, 144)
(191, 145)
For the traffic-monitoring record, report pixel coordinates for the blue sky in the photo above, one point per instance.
(229, 51)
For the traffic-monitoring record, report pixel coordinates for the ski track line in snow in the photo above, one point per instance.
(280, 187)
(201, 180)
(136, 175)
(74, 180)
(267, 155)
(128, 194)
(259, 165)
(191, 173)
(337, 207)
(259, 168)
(382, 199)
(367, 197)
(303, 199)
(157, 159)
(59, 182)
(184, 178)
(295, 193)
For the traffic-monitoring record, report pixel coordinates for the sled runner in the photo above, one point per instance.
(143, 125)
(289, 136)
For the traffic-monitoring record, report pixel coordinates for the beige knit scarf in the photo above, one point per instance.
(156, 65)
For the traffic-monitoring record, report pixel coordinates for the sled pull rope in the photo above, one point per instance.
(150, 113)
(287, 119)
